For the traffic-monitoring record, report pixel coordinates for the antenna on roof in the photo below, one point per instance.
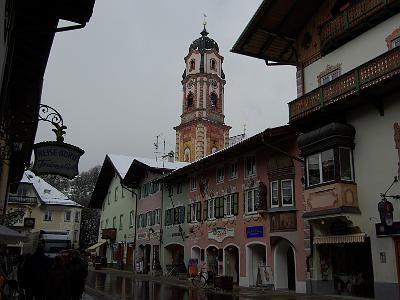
(244, 129)
(156, 145)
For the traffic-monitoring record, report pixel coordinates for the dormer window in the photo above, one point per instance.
(214, 100)
(192, 65)
(213, 64)
(396, 42)
(189, 101)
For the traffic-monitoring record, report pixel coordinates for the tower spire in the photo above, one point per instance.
(204, 32)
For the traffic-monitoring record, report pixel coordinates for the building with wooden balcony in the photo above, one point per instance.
(239, 212)
(43, 207)
(347, 109)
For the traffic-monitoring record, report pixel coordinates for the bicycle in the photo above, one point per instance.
(200, 279)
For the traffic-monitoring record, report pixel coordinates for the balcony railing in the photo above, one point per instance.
(357, 16)
(22, 199)
(374, 72)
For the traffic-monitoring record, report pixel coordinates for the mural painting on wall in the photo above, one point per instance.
(396, 127)
(261, 202)
(283, 221)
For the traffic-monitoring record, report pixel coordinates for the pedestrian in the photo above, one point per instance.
(58, 284)
(78, 271)
(35, 274)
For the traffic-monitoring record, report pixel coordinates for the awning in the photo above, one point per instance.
(10, 236)
(340, 239)
(95, 246)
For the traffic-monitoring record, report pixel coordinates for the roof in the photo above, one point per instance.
(47, 194)
(121, 164)
(204, 42)
(272, 32)
(268, 137)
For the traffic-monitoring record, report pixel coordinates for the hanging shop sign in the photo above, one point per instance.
(254, 231)
(56, 158)
(220, 233)
(29, 223)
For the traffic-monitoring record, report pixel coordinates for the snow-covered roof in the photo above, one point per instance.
(121, 163)
(47, 193)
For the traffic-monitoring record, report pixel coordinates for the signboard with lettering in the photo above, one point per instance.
(56, 158)
(254, 231)
(220, 233)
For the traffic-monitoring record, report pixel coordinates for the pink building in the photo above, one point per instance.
(245, 210)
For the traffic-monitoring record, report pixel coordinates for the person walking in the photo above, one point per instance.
(58, 284)
(78, 271)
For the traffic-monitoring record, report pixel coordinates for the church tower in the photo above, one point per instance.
(202, 130)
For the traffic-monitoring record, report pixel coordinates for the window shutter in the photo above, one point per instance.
(182, 220)
(198, 211)
(205, 210)
(220, 207)
(189, 211)
(235, 204)
(215, 207)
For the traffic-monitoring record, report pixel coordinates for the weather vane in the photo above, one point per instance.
(204, 19)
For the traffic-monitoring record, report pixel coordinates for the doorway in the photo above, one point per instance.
(256, 264)
(284, 266)
(231, 265)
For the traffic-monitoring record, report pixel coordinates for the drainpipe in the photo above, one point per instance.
(311, 255)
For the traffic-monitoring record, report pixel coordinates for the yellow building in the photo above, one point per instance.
(46, 206)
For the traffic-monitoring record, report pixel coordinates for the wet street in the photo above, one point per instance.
(124, 286)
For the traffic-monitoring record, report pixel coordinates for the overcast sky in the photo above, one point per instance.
(117, 82)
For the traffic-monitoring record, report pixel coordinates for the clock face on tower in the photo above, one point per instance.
(213, 83)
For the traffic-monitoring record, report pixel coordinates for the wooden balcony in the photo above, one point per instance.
(354, 20)
(334, 198)
(22, 199)
(342, 90)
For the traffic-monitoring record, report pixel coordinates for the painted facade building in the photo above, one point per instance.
(142, 177)
(202, 130)
(243, 213)
(348, 111)
(45, 208)
(117, 218)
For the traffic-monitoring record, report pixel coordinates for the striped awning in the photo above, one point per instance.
(340, 239)
(95, 246)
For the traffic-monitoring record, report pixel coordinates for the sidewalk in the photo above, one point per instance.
(237, 292)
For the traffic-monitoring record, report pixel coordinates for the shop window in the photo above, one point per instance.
(194, 211)
(282, 193)
(251, 197)
(214, 100)
(220, 175)
(234, 170)
(250, 166)
(189, 100)
(231, 205)
(192, 65)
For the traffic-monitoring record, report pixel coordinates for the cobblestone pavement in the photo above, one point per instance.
(110, 284)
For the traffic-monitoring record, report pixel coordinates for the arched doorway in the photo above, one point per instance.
(231, 262)
(284, 266)
(212, 259)
(256, 254)
(174, 259)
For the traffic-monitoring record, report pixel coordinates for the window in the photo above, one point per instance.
(345, 164)
(114, 222)
(108, 198)
(193, 184)
(213, 64)
(189, 100)
(231, 205)
(194, 211)
(287, 192)
(48, 215)
(175, 216)
(131, 218)
(121, 218)
(220, 175)
(321, 167)
(250, 165)
(329, 77)
(170, 190)
(157, 216)
(75, 238)
(396, 42)
(67, 216)
(77, 215)
(234, 170)
(251, 197)
(192, 65)
(179, 188)
(211, 209)
(274, 194)
(116, 194)
(214, 100)
(154, 187)
(106, 223)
